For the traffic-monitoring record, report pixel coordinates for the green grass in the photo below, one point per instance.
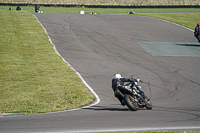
(33, 78)
(188, 20)
(104, 10)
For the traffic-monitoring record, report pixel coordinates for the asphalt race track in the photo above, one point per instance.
(164, 55)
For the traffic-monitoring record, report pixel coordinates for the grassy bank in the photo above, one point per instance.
(33, 78)
(187, 17)
(188, 20)
(105, 10)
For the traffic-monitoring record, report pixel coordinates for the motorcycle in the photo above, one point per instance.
(18, 8)
(134, 96)
(197, 32)
(37, 8)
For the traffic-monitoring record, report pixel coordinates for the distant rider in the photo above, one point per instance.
(37, 8)
(18, 8)
(118, 82)
(197, 31)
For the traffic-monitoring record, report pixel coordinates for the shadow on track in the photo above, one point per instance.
(103, 108)
(190, 45)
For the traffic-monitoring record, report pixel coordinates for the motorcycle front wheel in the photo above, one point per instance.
(148, 105)
(131, 103)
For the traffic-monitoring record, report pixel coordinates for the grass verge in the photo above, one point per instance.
(188, 20)
(104, 10)
(33, 78)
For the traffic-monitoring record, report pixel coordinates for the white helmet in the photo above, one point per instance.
(117, 76)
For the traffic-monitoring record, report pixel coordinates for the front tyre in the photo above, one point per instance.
(148, 104)
(131, 103)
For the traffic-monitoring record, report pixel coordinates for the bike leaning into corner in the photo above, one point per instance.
(130, 94)
(197, 32)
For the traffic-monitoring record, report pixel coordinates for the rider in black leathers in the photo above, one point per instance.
(197, 31)
(37, 8)
(18, 8)
(117, 82)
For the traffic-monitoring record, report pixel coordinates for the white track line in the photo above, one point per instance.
(179, 128)
(142, 129)
(96, 96)
(175, 24)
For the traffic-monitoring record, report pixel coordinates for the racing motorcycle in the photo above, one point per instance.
(134, 96)
(37, 8)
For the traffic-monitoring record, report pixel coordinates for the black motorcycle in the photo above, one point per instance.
(134, 96)
(37, 8)
(18, 8)
(197, 32)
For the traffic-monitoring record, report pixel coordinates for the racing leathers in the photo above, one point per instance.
(117, 83)
(197, 31)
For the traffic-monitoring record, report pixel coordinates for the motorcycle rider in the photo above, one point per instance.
(37, 8)
(197, 31)
(118, 82)
(18, 8)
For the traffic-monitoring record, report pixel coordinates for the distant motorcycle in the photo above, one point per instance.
(37, 8)
(18, 8)
(197, 32)
(131, 12)
(134, 96)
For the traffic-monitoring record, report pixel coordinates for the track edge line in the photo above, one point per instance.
(97, 99)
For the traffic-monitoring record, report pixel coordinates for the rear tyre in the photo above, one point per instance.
(131, 103)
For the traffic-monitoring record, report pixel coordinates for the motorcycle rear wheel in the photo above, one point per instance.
(131, 103)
